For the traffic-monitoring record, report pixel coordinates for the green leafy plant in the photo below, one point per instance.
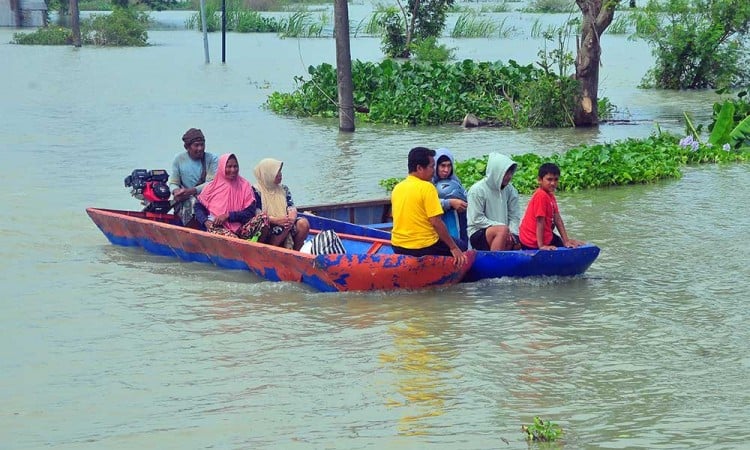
(394, 42)
(542, 431)
(630, 161)
(52, 35)
(550, 6)
(240, 19)
(123, 27)
(412, 22)
(428, 50)
(696, 43)
(471, 25)
(436, 93)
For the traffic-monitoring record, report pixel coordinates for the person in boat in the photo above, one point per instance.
(494, 213)
(287, 230)
(418, 229)
(191, 170)
(542, 215)
(452, 197)
(228, 204)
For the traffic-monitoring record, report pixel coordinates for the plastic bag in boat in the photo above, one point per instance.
(327, 242)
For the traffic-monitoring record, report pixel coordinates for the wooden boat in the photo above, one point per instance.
(369, 263)
(516, 263)
(371, 213)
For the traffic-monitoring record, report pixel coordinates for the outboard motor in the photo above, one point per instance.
(150, 187)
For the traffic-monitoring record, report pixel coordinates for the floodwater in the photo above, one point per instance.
(108, 347)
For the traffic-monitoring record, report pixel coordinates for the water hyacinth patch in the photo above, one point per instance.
(629, 161)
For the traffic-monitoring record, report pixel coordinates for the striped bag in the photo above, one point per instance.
(327, 242)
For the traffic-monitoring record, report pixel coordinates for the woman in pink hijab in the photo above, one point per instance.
(227, 204)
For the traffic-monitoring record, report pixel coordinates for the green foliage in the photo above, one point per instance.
(429, 20)
(471, 25)
(629, 161)
(496, 7)
(427, 50)
(696, 43)
(239, 19)
(542, 431)
(51, 35)
(552, 99)
(161, 5)
(370, 25)
(620, 24)
(123, 27)
(606, 108)
(250, 22)
(94, 5)
(436, 93)
(550, 6)
(300, 24)
(393, 42)
(420, 19)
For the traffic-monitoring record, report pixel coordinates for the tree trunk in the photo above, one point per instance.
(344, 66)
(75, 23)
(596, 19)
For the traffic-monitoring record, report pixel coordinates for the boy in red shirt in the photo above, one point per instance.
(542, 214)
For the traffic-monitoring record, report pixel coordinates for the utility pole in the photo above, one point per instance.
(343, 65)
(75, 22)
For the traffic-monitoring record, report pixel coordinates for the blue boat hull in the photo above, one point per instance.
(562, 262)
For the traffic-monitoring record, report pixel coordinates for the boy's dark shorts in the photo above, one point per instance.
(479, 240)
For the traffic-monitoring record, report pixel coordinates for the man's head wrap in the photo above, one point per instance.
(193, 135)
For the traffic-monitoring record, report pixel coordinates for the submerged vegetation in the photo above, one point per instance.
(631, 161)
(696, 43)
(542, 431)
(436, 93)
(123, 27)
(243, 20)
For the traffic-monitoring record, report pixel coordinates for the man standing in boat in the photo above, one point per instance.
(418, 229)
(191, 170)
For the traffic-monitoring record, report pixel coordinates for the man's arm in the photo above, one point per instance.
(211, 167)
(444, 235)
(475, 212)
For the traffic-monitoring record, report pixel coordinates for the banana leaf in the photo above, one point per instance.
(723, 126)
(741, 134)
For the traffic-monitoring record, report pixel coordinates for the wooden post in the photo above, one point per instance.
(205, 33)
(75, 23)
(344, 65)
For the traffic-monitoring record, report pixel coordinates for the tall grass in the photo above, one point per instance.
(242, 20)
(471, 25)
(371, 25)
(496, 7)
(620, 25)
(300, 24)
(571, 26)
(550, 6)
